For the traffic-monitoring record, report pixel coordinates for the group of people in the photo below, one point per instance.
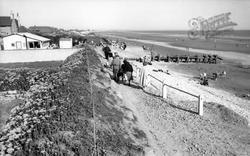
(124, 70)
(204, 77)
(120, 70)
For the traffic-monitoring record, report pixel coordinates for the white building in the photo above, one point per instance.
(65, 43)
(25, 41)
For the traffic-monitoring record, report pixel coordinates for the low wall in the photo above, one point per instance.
(13, 56)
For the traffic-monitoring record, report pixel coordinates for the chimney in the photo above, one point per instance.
(12, 16)
(14, 24)
(18, 20)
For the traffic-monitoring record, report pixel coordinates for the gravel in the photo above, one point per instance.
(178, 130)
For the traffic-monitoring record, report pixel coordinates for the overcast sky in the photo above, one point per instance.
(123, 14)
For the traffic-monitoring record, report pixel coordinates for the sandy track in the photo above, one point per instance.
(133, 103)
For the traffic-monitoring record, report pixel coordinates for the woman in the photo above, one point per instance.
(116, 65)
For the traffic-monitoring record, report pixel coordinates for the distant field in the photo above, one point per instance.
(14, 56)
(220, 44)
(242, 33)
(237, 41)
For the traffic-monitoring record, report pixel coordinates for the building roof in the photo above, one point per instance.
(31, 36)
(5, 21)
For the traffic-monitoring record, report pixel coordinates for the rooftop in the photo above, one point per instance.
(5, 21)
(33, 36)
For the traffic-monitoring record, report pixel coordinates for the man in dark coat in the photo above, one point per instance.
(127, 70)
(107, 52)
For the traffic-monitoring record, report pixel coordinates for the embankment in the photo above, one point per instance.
(59, 113)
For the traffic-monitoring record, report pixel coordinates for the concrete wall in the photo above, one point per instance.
(65, 44)
(13, 56)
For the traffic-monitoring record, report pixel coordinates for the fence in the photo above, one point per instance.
(140, 74)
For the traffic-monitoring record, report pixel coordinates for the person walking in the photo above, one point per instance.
(116, 65)
(107, 52)
(127, 70)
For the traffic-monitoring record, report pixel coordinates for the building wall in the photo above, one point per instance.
(5, 30)
(65, 44)
(14, 26)
(14, 42)
(1, 43)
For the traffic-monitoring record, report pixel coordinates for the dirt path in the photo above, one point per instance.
(154, 128)
(132, 101)
(174, 131)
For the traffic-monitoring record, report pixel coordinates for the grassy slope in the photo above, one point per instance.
(35, 65)
(7, 103)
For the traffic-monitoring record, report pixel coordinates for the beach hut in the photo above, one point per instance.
(65, 42)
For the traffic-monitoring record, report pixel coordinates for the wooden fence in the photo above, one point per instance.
(142, 78)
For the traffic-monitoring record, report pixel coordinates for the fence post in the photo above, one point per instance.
(142, 77)
(137, 72)
(147, 80)
(164, 91)
(200, 106)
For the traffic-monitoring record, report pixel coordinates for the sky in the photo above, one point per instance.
(123, 14)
